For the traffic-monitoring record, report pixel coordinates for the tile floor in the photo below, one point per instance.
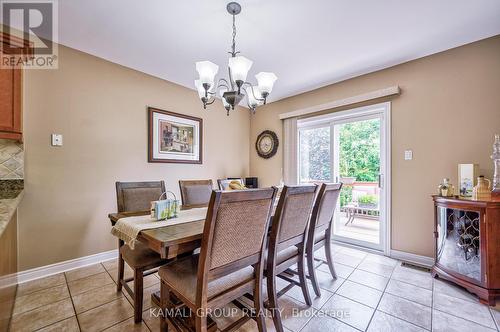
(371, 293)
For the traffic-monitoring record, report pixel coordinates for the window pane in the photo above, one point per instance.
(314, 154)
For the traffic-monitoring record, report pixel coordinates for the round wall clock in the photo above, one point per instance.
(267, 144)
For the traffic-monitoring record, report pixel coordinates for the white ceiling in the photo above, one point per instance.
(307, 44)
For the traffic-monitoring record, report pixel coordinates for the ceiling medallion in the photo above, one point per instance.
(231, 91)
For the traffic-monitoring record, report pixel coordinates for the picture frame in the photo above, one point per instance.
(174, 137)
(467, 178)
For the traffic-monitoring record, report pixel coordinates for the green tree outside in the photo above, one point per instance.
(359, 151)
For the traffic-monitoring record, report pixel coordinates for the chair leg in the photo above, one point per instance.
(164, 299)
(201, 321)
(303, 279)
(121, 267)
(258, 300)
(312, 271)
(273, 302)
(138, 295)
(328, 253)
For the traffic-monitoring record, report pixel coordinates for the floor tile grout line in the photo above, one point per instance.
(46, 326)
(38, 308)
(410, 283)
(367, 285)
(336, 320)
(87, 276)
(432, 302)
(41, 289)
(19, 313)
(84, 267)
(444, 312)
(378, 303)
(381, 275)
(72, 303)
(404, 298)
(343, 321)
(476, 300)
(401, 319)
(493, 317)
(91, 289)
(114, 324)
(494, 320)
(100, 305)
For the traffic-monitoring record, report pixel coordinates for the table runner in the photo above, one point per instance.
(127, 229)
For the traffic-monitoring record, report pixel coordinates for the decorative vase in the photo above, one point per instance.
(446, 188)
(482, 189)
(496, 162)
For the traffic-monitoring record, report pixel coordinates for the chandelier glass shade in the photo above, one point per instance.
(231, 91)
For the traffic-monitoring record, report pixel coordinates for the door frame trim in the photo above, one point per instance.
(383, 109)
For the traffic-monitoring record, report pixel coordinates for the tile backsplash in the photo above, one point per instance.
(11, 159)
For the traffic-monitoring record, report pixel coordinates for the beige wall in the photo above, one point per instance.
(447, 113)
(100, 108)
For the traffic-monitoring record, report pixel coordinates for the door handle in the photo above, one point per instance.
(380, 180)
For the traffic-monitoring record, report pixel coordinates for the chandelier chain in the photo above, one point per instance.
(233, 45)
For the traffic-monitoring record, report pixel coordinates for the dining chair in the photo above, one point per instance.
(287, 244)
(224, 183)
(136, 197)
(320, 230)
(230, 263)
(195, 193)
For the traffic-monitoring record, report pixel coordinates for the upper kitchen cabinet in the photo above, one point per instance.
(10, 103)
(11, 90)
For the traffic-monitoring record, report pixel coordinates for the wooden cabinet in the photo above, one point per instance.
(11, 123)
(10, 103)
(467, 236)
(8, 268)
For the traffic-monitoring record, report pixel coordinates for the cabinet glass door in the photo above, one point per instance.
(458, 245)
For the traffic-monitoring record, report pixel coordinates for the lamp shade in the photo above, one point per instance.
(253, 93)
(207, 71)
(224, 101)
(239, 66)
(199, 88)
(266, 81)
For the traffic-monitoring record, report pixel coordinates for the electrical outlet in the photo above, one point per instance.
(408, 154)
(57, 140)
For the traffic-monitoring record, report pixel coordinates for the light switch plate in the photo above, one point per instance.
(408, 154)
(57, 140)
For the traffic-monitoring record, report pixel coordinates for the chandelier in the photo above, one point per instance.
(231, 90)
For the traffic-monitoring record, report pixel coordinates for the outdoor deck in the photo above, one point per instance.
(362, 229)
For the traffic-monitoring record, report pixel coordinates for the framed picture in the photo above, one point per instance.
(174, 138)
(467, 175)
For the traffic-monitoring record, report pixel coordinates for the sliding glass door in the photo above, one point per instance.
(315, 154)
(350, 147)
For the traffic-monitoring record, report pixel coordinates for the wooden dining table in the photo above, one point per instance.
(169, 241)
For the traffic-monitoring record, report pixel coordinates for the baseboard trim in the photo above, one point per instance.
(48, 270)
(424, 261)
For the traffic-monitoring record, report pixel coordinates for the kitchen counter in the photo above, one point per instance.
(11, 194)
